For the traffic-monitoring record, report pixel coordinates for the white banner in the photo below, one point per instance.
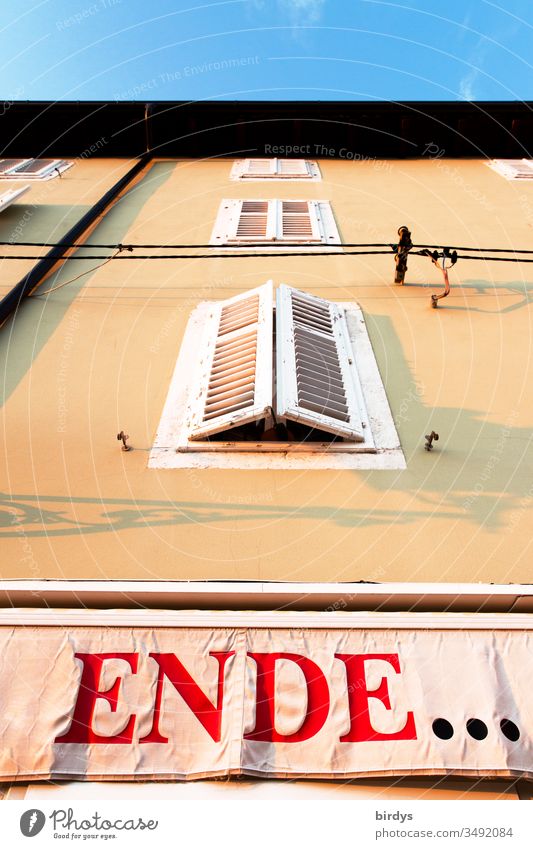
(183, 703)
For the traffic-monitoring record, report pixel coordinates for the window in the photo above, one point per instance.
(7, 198)
(278, 379)
(513, 169)
(275, 169)
(32, 169)
(306, 222)
(7, 165)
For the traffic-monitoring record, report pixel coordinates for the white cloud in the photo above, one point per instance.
(476, 60)
(466, 85)
(302, 12)
(488, 47)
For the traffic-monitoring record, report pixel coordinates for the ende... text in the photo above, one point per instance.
(209, 714)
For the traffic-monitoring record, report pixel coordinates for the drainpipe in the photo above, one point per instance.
(11, 302)
(148, 110)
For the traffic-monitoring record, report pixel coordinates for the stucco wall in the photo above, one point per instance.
(97, 356)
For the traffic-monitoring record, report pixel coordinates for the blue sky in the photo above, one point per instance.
(266, 49)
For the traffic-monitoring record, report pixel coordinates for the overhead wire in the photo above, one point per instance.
(72, 280)
(312, 251)
(122, 251)
(186, 246)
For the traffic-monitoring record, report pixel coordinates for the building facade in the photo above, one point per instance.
(284, 580)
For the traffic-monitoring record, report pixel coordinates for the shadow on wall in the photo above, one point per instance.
(26, 515)
(478, 471)
(507, 297)
(23, 336)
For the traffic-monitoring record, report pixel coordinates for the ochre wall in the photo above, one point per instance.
(49, 209)
(97, 356)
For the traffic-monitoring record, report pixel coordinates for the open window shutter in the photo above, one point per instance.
(314, 383)
(235, 383)
(298, 221)
(7, 198)
(292, 168)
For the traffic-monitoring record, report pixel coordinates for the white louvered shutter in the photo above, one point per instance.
(7, 198)
(244, 221)
(7, 165)
(314, 377)
(35, 169)
(255, 221)
(259, 168)
(235, 382)
(38, 167)
(274, 169)
(298, 221)
(292, 168)
(514, 169)
(269, 221)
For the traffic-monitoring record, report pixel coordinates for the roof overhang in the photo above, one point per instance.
(331, 129)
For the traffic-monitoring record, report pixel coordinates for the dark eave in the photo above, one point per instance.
(229, 128)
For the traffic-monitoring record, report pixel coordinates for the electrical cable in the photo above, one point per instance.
(311, 252)
(131, 247)
(37, 294)
(270, 254)
(495, 258)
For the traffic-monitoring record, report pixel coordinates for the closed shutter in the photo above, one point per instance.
(36, 169)
(298, 221)
(7, 165)
(293, 168)
(314, 371)
(235, 383)
(259, 168)
(253, 220)
(514, 169)
(245, 221)
(269, 221)
(275, 168)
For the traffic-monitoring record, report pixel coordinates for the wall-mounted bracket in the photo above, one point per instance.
(444, 255)
(402, 251)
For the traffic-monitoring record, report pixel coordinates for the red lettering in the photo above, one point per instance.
(81, 730)
(317, 699)
(208, 714)
(361, 728)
